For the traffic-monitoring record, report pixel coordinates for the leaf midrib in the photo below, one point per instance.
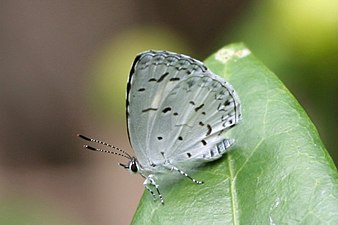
(232, 191)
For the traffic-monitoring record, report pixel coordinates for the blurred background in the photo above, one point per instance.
(64, 66)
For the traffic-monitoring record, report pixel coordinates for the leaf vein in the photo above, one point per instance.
(232, 192)
(247, 160)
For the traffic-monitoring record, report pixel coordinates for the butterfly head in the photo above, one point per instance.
(133, 165)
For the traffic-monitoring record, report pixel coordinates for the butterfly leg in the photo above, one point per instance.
(151, 191)
(186, 175)
(171, 167)
(150, 180)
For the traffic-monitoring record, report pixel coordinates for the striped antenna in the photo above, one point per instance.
(125, 154)
(102, 150)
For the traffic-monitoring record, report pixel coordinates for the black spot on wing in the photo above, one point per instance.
(204, 142)
(199, 107)
(162, 77)
(159, 79)
(149, 109)
(192, 102)
(201, 123)
(159, 138)
(141, 89)
(218, 148)
(190, 83)
(174, 79)
(188, 154)
(229, 122)
(165, 110)
(209, 130)
(227, 103)
(180, 138)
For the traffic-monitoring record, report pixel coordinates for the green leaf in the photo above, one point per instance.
(278, 172)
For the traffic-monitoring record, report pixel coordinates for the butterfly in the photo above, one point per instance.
(177, 112)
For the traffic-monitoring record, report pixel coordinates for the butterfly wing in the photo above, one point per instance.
(176, 107)
(202, 108)
(153, 75)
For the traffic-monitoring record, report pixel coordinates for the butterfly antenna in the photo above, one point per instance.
(126, 155)
(102, 150)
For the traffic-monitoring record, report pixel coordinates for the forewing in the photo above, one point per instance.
(153, 76)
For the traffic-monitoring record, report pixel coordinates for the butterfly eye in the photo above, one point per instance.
(133, 167)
